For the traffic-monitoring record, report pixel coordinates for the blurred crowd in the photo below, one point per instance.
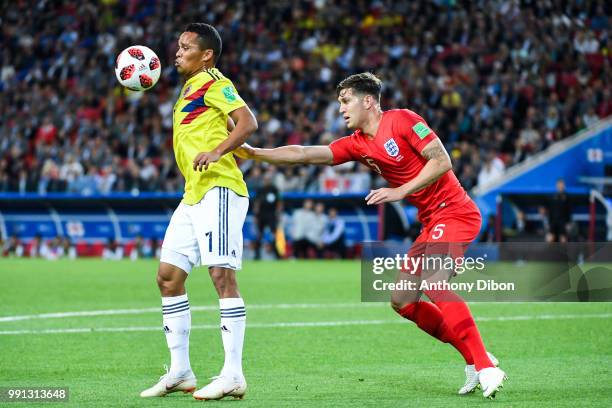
(497, 80)
(313, 231)
(60, 247)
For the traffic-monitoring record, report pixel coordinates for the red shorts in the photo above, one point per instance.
(449, 233)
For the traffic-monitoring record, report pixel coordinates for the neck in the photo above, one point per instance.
(371, 125)
(196, 72)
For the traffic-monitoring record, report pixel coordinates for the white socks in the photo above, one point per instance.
(177, 324)
(233, 321)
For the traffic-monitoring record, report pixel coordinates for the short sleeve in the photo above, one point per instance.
(342, 150)
(413, 128)
(223, 96)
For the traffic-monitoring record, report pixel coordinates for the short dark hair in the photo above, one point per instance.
(364, 83)
(208, 38)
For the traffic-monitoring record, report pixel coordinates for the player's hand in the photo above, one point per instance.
(245, 151)
(204, 159)
(384, 195)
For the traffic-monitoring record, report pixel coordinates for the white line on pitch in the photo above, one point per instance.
(302, 324)
(111, 312)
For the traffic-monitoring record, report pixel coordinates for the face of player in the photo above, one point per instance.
(190, 59)
(351, 108)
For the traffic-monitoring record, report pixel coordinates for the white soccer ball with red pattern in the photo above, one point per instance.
(137, 68)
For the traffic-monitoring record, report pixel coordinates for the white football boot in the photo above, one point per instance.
(491, 380)
(222, 386)
(168, 385)
(471, 376)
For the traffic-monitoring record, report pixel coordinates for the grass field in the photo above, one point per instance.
(309, 340)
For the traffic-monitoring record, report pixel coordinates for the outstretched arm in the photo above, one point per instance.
(293, 154)
(437, 164)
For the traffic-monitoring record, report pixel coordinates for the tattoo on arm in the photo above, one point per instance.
(435, 153)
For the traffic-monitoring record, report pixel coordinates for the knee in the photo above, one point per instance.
(224, 281)
(220, 284)
(168, 283)
(396, 305)
(406, 310)
(163, 282)
(218, 278)
(399, 300)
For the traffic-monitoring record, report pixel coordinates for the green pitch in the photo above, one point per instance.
(309, 341)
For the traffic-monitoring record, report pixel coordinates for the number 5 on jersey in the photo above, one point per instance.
(373, 165)
(438, 231)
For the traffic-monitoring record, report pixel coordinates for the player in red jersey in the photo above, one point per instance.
(399, 145)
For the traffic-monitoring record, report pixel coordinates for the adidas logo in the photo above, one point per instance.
(167, 329)
(225, 329)
(234, 253)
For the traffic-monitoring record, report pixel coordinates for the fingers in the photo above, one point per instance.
(196, 161)
(201, 162)
(246, 151)
(374, 200)
(374, 197)
(370, 194)
(204, 163)
(377, 196)
(243, 151)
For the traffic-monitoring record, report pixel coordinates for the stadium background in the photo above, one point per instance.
(518, 91)
(500, 82)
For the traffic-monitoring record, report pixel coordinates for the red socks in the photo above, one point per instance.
(428, 318)
(458, 317)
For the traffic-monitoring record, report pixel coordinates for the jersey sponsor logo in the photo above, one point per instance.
(186, 91)
(229, 94)
(391, 147)
(421, 130)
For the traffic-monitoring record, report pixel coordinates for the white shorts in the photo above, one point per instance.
(207, 233)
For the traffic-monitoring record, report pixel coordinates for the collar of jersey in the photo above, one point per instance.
(193, 78)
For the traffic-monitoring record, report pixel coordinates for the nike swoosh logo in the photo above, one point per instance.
(175, 385)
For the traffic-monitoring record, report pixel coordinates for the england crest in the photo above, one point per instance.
(391, 148)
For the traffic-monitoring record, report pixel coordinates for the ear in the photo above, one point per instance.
(368, 101)
(208, 56)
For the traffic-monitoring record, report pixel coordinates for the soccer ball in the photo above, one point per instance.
(137, 68)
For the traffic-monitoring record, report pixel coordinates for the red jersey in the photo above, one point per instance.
(395, 153)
